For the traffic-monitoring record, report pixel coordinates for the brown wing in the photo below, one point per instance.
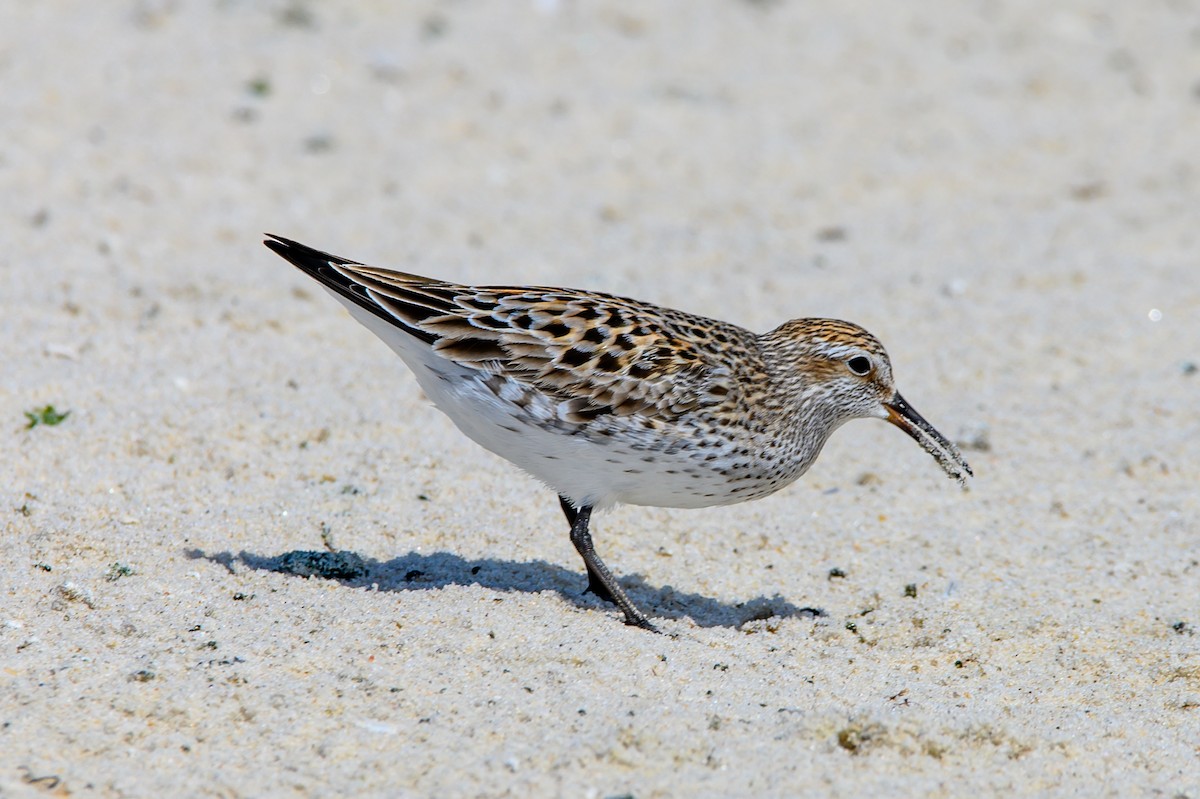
(597, 353)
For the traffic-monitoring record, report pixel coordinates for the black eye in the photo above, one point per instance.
(860, 364)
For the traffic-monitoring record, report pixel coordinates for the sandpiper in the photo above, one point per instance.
(608, 400)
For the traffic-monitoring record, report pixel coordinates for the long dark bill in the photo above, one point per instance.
(904, 416)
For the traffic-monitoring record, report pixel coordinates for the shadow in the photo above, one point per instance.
(423, 572)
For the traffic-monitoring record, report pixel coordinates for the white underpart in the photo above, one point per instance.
(584, 471)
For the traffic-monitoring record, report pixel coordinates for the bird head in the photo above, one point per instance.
(845, 373)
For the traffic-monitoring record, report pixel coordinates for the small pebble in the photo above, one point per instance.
(330, 565)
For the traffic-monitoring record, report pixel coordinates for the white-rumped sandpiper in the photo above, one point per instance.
(606, 399)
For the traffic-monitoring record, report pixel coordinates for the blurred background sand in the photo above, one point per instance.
(1005, 192)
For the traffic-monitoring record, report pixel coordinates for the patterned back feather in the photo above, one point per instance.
(597, 353)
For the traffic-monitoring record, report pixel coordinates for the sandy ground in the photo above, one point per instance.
(1006, 193)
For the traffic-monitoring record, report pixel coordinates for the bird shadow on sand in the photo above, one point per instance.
(422, 572)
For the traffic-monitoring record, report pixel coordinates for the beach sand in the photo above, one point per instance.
(1004, 192)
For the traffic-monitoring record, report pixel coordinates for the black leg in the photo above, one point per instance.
(568, 509)
(600, 580)
(595, 584)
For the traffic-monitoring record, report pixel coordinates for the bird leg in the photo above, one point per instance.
(595, 584)
(568, 509)
(600, 580)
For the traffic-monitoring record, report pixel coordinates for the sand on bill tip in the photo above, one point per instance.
(1004, 193)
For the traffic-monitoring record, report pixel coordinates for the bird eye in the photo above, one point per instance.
(860, 364)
